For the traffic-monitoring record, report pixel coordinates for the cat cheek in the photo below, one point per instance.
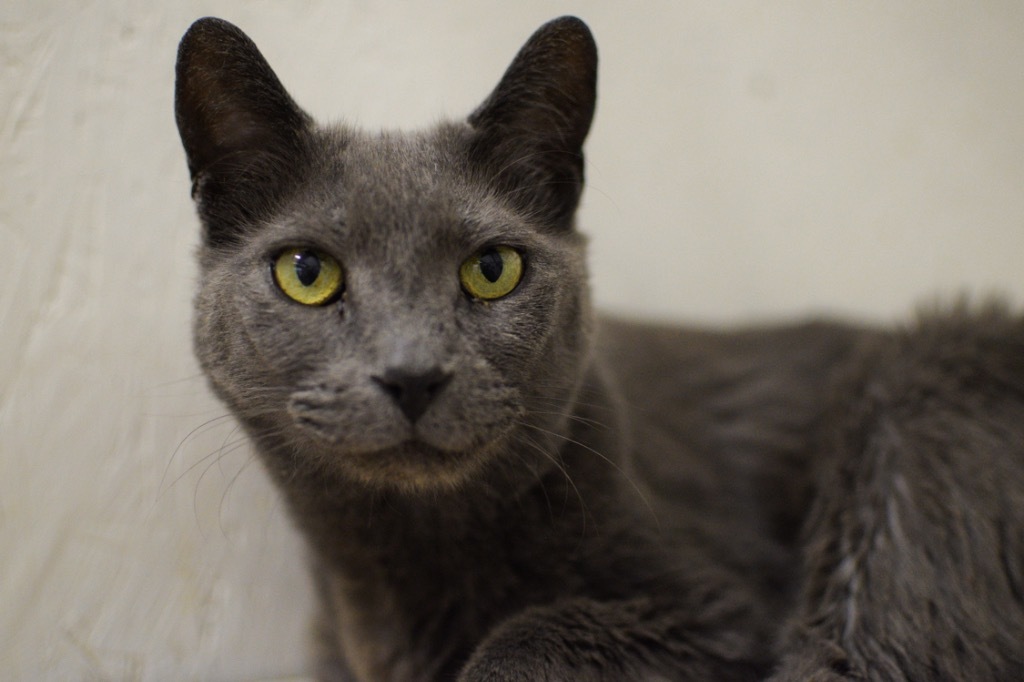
(345, 418)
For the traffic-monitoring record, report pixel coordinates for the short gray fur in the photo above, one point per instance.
(573, 497)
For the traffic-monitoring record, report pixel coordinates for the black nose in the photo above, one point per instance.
(413, 390)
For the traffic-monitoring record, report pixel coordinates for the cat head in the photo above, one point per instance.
(399, 309)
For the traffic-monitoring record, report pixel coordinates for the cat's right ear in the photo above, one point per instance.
(241, 130)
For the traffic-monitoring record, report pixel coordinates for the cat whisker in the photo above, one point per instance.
(198, 376)
(585, 512)
(220, 509)
(622, 472)
(205, 426)
(540, 482)
(234, 430)
(227, 446)
(586, 421)
(558, 398)
(226, 449)
(613, 408)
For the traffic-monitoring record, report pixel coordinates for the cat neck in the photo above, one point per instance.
(417, 576)
(541, 490)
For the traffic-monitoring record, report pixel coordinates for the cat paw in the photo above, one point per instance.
(502, 663)
(504, 671)
(824, 663)
(541, 645)
(532, 670)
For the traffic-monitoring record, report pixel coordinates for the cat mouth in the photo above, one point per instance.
(401, 441)
(350, 429)
(413, 464)
(341, 423)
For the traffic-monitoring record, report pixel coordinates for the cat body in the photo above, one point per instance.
(496, 484)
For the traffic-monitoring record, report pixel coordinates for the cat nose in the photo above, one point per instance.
(413, 390)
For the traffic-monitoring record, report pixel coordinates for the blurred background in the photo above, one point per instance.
(750, 161)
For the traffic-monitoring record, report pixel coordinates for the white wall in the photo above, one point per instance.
(749, 160)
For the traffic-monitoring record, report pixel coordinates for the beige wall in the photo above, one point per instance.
(749, 160)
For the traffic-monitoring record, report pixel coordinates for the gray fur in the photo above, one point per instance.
(583, 498)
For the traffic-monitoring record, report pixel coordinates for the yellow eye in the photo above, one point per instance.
(308, 276)
(491, 273)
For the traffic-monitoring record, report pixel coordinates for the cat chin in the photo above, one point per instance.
(411, 466)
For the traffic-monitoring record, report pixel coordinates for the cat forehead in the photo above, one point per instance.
(423, 172)
(400, 187)
(428, 163)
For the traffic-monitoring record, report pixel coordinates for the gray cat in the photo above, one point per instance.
(497, 485)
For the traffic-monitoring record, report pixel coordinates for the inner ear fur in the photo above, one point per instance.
(240, 128)
(532, 126)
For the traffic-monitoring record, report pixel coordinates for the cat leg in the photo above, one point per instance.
(329, 664)
(639, 640)
(914, 555)
(328, 661)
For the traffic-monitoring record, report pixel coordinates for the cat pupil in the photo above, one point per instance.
(491, 265)
(307, 267)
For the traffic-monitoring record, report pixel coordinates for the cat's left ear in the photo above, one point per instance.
(530, 131)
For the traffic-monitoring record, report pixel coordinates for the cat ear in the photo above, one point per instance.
(532, 127)
(240, 128)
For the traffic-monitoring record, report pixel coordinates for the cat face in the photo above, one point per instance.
(397, 309)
